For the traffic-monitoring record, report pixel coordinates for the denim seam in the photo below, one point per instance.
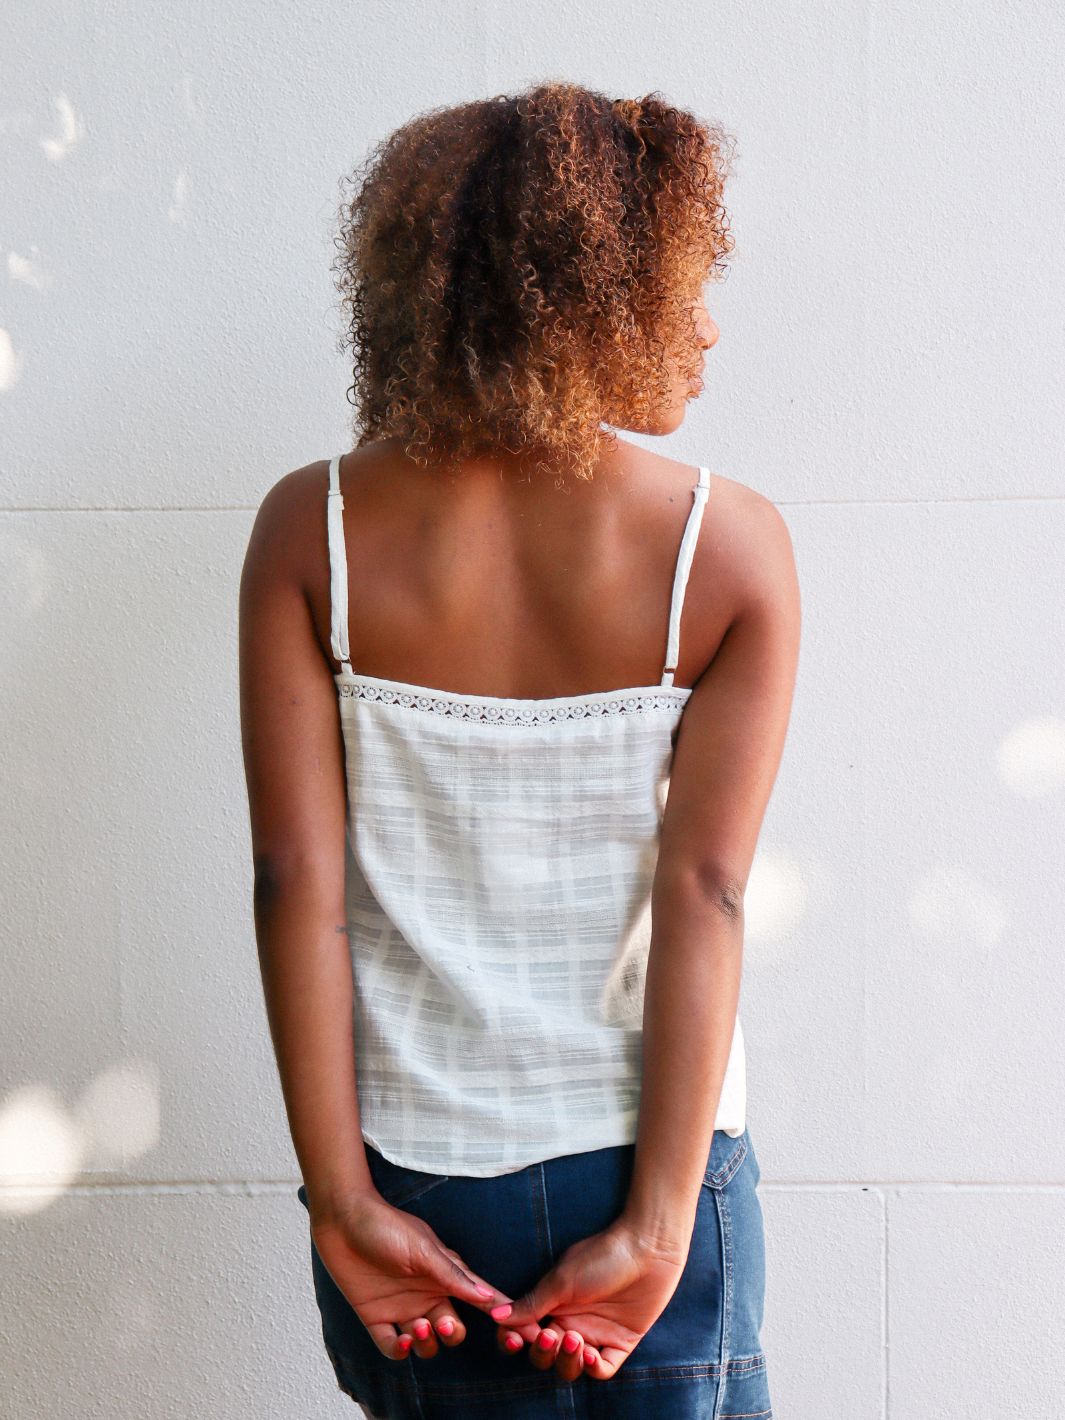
(718, 1178)
(564, 1395)
(724, 1215)
(627, 1375)
(538, 1188)
(402, 1199)
(745, 1365)
(564, 1403)
(416, 1392)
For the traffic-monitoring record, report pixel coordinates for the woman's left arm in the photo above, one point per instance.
(392, 1268)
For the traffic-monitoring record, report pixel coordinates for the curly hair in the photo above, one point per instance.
(517, 271)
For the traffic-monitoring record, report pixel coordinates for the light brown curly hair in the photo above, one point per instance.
(517, 271)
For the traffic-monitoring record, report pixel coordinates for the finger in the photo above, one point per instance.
(389, 1341)
(425, 1342)
(569, 1361)
(448, 1327)
(509, 1342)
(447, 1268)
(544, 1349)
(602, 1364)
(550, 1292)
(526, 1334)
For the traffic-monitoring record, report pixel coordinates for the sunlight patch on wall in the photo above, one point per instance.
(40, 1147)
(27, 270)
(44, 1146)
(70, 131)
(1031, 758)
(25, 579)
(11, 361)
(176, 210)
(776, 898)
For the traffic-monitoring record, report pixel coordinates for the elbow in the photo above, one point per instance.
(718, 889)
(276, 874)
(268, 879)
(727, 896)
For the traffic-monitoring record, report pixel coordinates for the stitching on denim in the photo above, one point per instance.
(547, 1211)
(630, 1374)
(745, 1365)
(539, 1207)
(746, 1415)
(724, 1216)
(415, 1387)
(564, 1403)
(385, 1173)
(718, 1178)
(520, 1385)
(563, 1396)
(423, 1188)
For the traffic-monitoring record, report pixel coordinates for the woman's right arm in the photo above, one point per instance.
(612, 1287)
(728, 752)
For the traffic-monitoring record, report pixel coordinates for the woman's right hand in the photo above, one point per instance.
(608, 1290)
(396, 1273)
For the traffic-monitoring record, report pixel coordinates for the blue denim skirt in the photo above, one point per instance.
(701, 1360)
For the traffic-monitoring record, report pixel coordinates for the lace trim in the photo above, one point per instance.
(547, 713)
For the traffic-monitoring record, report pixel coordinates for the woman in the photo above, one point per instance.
(502, 814)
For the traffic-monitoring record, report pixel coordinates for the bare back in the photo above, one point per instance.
(489, 583)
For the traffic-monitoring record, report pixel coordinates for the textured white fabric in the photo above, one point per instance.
(500, 858)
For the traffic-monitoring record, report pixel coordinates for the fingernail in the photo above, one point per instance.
(570, 1344)
(512, 1343)
(446, 1327)
(501, 1312)
(546, 1340)
(405, 1343)
(589, 1358)
(422, 1329)
(485, 1291)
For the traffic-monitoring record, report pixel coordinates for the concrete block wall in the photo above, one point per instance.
(890, 372)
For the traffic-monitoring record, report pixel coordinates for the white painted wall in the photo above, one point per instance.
(890, 372)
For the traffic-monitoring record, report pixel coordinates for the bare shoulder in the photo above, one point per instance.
(745, 556)
(735, 722)
(289, 527)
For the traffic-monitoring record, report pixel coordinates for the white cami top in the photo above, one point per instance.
(500, 858)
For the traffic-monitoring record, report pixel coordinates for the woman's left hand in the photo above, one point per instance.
(601, 1297)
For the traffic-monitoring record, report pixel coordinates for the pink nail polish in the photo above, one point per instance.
(501, 1312)
(513, 1343)
(446, 1327)
(422, 1330)
(546, 1340)
(589, 1358)
(570, 1344)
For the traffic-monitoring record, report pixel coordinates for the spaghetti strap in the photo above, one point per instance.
(701, 492)
(338, 568)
